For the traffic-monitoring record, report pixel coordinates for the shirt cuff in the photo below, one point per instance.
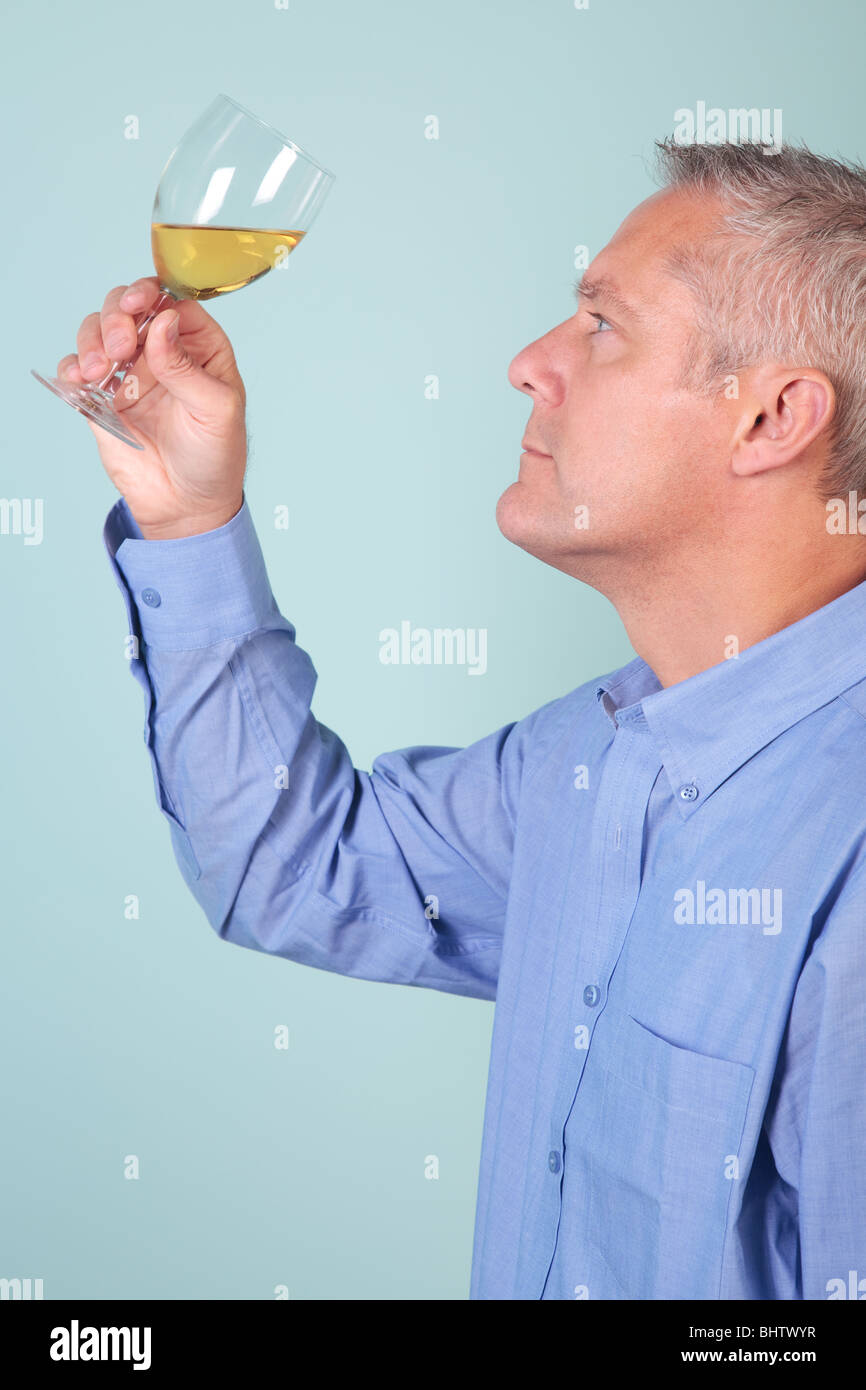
(192, 591)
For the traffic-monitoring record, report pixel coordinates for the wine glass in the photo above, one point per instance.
(234, 200)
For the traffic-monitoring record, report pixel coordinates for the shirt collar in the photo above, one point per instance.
(709, 725)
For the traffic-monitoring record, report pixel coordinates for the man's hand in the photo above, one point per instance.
(186, 407)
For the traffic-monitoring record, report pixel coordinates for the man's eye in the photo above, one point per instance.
(603, 324)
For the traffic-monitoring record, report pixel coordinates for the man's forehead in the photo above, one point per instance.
(632, 271)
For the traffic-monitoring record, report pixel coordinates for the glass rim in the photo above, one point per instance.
(223, 96)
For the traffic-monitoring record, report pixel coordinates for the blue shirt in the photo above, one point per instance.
(664, 890)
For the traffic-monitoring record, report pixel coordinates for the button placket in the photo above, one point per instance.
(626, 788)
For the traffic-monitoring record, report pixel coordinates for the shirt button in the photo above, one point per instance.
(151, 597)
(591, 995)
(553, 1161)
(688, 791)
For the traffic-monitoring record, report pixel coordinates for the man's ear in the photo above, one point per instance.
(786, 411)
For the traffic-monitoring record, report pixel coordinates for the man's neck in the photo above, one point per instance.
(695, 625)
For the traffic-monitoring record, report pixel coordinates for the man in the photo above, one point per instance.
(661, 877)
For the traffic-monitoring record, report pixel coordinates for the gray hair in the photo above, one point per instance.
(784, 279)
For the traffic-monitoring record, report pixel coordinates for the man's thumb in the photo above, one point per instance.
(172, 365)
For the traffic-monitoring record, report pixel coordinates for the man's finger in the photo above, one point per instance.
(91, 351)
(68, 368)
(172, 364)
(140, 295)
(118, 327)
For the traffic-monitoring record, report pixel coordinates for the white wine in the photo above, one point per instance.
(202, 262)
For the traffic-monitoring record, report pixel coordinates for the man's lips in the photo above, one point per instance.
(531, 449)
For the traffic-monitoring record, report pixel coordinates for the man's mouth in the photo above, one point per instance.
(531, 449)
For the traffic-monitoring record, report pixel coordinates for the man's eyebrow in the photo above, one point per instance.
(603, 289)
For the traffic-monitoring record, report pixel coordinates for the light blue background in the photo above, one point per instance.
(151, 1037)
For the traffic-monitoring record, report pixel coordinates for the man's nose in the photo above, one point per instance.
(533, 370)
(525, 369)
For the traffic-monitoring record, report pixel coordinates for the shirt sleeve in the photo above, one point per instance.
(817, 1114)
(399, 874)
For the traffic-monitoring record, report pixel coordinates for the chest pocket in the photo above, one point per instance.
(662, 1165)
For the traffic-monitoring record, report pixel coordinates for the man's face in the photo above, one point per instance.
(629, 444)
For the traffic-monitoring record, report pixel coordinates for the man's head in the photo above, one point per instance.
(713, 377)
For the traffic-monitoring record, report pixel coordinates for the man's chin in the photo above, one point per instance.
(523, 522)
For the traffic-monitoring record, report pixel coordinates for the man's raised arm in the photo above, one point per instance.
(400, 874)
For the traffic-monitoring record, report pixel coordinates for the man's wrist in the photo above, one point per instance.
(189, 526)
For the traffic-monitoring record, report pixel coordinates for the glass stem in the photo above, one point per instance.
(116, 373)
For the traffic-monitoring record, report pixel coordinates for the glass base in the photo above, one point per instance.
(93, 403)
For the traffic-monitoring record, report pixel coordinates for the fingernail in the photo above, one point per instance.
(172, 324)
(130, 297)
